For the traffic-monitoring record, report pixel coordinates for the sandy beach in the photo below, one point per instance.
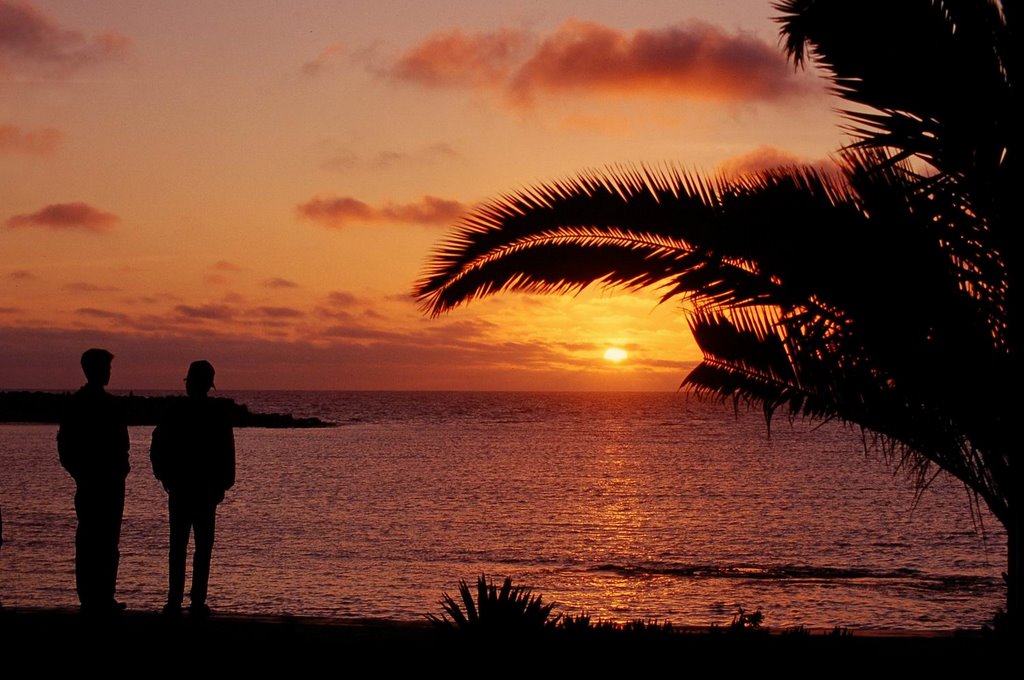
(146, 641)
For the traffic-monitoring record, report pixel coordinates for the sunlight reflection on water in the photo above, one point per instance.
(624, 506)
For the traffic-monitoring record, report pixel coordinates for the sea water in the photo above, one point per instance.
(624, 506)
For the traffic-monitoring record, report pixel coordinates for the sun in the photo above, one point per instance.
(615, 355)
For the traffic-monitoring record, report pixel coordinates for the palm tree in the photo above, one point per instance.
(881, 295)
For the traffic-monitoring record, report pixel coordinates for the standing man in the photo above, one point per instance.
(93, 445)
(193, 455)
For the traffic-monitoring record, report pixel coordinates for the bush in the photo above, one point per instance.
(510, 608)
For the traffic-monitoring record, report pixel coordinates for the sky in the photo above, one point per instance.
(260, 183)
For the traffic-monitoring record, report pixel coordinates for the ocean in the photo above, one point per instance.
(624, 506)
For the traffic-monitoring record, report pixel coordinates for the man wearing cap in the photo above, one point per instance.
(193, 456)
(93, 445)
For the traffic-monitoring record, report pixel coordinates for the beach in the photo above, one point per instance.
(146, 641)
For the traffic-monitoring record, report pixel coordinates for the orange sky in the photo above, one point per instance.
(260, 183)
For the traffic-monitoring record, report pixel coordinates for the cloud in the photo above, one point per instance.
(104, 314)
(280, 312)
(695, 60)
(153, 353)
(38, 142)
(429, 210)
(141, 300)
(341, 161)
(225, 266)
(441, 150)
(214, 312)
(337, 212)
(67, 216)
(31, 39)
(85, 287)
(456, 59)
(361, 333)
(22, 275)
(316, 66)
(344, 160)
(336, 314)
(279, 283)
(766, 157)
(341, 298)
(10, 310)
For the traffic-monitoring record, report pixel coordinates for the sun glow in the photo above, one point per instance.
(615, 355)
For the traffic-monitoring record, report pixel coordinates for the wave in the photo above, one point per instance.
(797, 572)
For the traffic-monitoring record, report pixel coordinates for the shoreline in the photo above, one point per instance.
(69, 614)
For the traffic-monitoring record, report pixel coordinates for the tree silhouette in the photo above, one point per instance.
(882, 295)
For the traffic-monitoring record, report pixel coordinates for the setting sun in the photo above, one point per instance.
(615, 354)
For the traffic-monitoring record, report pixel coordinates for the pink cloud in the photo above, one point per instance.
(86, 287)
(315, 67)
(277, 282)
(766, 158)
(457, 59)
(214, 312)
(66, 216)
(345, 159)
(340, 298)
(335, 212)
(695, 60)
(104, 314)
(280, 312)
(429, 210)
(22, 275)
(342, 211)
(38, 142)
(29, 37)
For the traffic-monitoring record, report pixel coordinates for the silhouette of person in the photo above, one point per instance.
(93, 446)
(193, 456)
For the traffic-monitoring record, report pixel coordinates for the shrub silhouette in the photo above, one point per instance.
(508, 608)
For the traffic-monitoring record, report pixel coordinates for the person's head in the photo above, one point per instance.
(96, 366)
(199, 379)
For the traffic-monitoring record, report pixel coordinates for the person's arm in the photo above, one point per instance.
(69, 443)
(125, 443)
(158, 454)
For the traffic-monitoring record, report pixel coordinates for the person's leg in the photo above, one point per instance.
(113, 513)
(205, 522)
(84, 547)
(179, 519)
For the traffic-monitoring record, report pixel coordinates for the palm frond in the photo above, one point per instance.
(937, 70)
(926, 79)
(626, 227)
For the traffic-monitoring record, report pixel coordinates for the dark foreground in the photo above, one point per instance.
(147, 643)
